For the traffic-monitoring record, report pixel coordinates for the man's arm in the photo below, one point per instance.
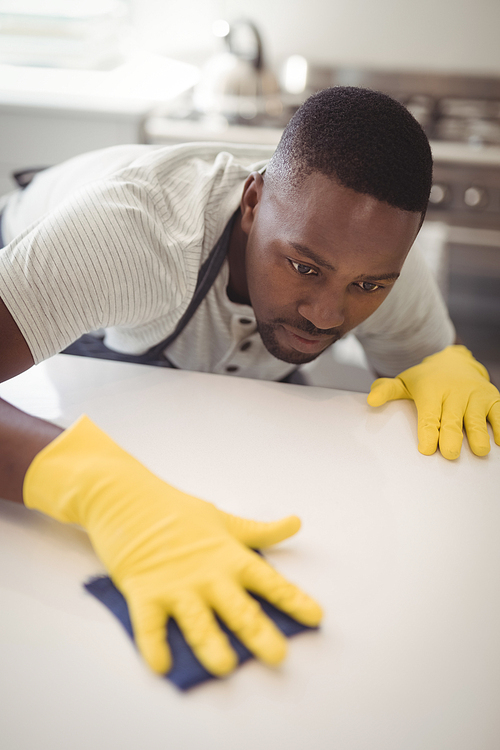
(15, 356)
(21, 435)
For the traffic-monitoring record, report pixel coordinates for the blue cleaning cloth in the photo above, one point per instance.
(187, 671)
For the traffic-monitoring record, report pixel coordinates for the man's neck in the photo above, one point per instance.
(237, 289)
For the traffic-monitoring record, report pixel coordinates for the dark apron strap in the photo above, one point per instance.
(91, 346)
(206, 277)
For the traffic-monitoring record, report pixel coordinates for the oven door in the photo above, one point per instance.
(465, 199)
(473, 292)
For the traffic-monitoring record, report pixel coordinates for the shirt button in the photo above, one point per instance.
(232, 368)
(245, 321)
(245, 346)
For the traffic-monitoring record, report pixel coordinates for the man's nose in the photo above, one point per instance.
(323, 309)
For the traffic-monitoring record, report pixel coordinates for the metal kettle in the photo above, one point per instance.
(236, 83)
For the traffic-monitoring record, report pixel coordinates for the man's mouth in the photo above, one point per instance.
(306, 343)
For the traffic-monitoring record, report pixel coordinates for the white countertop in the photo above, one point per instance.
(402, 550)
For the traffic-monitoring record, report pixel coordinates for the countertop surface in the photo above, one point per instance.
(402, 550)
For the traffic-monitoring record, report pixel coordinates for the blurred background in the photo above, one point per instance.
(77, 75)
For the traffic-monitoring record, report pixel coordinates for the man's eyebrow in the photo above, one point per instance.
(324, 264)
(385, 276)
(312, 256)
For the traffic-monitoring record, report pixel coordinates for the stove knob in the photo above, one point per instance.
(475, 197)
(439, 194)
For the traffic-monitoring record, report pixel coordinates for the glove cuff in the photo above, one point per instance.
(51, 484)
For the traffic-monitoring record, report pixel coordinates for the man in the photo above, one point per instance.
(318, 243)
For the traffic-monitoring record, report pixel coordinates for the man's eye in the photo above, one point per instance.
(367, 286)
(303, 269)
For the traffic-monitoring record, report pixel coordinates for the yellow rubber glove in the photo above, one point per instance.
(451, 390)
(169, 553)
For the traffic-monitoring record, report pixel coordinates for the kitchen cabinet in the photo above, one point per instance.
(48, 115)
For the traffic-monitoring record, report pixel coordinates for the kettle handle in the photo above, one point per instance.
(257, 58)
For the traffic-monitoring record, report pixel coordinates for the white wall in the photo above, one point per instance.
(446, 35)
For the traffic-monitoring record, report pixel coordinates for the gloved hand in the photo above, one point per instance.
(169, 553)
(450, 390)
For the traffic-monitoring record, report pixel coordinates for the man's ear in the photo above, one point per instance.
(250, 199)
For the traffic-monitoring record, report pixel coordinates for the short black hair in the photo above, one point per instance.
(364, 140)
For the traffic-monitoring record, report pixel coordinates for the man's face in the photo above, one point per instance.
(318, 261)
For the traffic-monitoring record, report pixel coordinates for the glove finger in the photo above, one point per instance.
(476, 427)
(262, 579)
(451, 433)
(494, 420)
(202, 632)
(387, 389)
(429, 423)
(149, 626)
(260, 534)
(244, 616)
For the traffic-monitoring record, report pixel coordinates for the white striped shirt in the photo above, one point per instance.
(114, 239)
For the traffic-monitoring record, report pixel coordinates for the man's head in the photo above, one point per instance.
(362, 139)
(329, 225)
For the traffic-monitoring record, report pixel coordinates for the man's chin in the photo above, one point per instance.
(294, 358)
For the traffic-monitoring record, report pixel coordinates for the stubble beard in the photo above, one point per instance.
(267, 333)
